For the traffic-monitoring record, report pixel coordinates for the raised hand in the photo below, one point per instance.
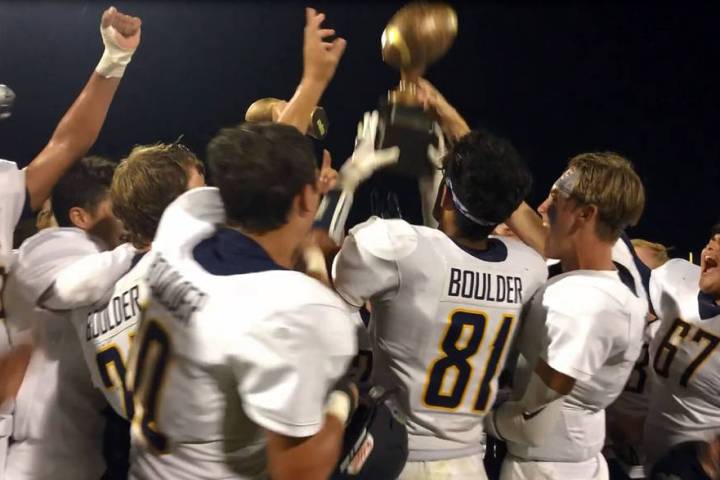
(320, 57)
(121, 36)
(452, 123)
(328, 178)
(365, 159)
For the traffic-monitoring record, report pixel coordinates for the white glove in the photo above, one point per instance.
(121, 36)
(365, 159)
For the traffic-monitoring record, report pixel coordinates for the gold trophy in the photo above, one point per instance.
(417, 35)
(269, 110)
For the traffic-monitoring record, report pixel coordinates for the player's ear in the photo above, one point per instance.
(307, 200)
(588, 212)
(80, 218)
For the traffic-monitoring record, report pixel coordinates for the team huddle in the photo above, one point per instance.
(159, 328)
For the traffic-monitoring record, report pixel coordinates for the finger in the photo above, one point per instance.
(387, 156)
(107, 17)
(326, 32)
(366, 124)
(360, 129)
(338, 47)
(309, 15)
(326, 160)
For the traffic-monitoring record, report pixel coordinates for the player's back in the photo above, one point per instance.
(222, 353)
(443, 329)
(596, 320)
(685, 360)
(106, 332)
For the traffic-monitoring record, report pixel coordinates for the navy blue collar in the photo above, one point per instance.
(707, 306)
(229, 252)
(136, 259)
(496, 251)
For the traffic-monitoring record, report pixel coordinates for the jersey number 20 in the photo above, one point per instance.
(458, 360)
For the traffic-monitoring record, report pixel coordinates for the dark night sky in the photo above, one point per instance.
(557, 79)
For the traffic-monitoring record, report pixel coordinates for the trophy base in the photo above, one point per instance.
(411, 129)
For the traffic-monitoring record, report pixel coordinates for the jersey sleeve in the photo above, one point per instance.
(13, 201)
(577, 338)
(366, 266)
(61, 269)
(87, 279)
(288, 363)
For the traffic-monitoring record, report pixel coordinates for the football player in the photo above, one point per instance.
(58, 422)
(684, 353)
(582, 332)
(445, 302)
(235, 361)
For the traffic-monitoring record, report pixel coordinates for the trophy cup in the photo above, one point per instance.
(417, 35)
(269, 110)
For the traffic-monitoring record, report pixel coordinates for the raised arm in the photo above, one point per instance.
(320, 59)
(80, 126)
(452, 123)
(529, 227)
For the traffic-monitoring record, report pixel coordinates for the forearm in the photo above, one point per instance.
(299, 109)
(454, 125)
(309, 458)
(528, 226)
(75, 134)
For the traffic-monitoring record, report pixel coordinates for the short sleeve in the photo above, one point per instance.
(577, 340)
(13, 197)
(287, 364)
(366, 266)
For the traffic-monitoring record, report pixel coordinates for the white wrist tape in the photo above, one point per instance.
(115, 58)
(339, 405)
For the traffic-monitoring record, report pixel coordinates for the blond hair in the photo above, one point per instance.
(146, 182)
(658, 250)
(609, 182)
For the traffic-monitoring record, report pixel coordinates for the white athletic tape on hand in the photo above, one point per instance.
(115, 58)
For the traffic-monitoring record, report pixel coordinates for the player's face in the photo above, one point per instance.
(104, 225)
(561, 213)
(710, 267)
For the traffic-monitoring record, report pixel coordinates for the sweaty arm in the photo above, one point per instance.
(529, 228)
(80, 126)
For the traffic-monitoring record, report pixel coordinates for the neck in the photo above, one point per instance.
(280, 244)
(448, 228)
(473, 244)
(589, 254)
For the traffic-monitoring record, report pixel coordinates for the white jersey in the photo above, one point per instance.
(106, 333)
(685, 359)
(587, 325)
(443, 318)
(58, 421)
(635, 397)
(12, 202)
(231, 344)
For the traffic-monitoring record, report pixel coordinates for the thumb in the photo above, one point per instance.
(388, 155)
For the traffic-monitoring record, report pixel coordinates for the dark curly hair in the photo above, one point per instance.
(489, 178)
(85, 185)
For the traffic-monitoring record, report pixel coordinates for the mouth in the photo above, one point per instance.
(710, 264)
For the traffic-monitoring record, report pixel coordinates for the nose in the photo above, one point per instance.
(543, 208)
